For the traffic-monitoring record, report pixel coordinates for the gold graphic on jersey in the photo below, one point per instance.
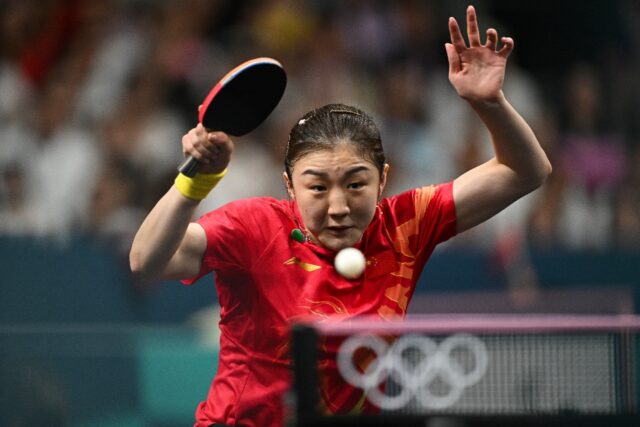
(304, 265)
(398, 294)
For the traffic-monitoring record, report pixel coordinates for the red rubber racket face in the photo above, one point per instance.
(245, 97)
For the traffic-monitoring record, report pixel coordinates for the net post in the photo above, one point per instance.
(304, 342)
(629, 371)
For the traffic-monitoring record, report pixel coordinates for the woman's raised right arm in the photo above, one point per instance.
(168, 245)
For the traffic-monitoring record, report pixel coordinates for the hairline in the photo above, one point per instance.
(343, 140)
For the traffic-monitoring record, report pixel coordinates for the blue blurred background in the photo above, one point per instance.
(95, 96)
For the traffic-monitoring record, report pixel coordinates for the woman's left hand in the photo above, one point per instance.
(476, 71)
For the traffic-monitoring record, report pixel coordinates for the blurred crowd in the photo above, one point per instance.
(96, 95)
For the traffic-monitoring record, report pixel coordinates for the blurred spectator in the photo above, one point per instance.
(35, 34)
(594, 162)
(14, 212)
(416, 155)
(114, 214)
(371, 31)
(627, 208)
(145, 131)
(544, 227)
(283, 27)
(328, 73)
(119, 44)
(56, 161)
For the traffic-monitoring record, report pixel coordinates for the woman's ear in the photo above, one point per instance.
(383, 180)
(289, 185)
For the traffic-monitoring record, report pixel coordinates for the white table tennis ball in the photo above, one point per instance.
(350, 263)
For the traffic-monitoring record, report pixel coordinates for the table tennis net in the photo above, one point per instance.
(468, 365)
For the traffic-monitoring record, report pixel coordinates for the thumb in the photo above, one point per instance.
(453, 57)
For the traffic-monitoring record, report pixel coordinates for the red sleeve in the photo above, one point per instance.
(233, 236)
(421, 218)
(436, 211)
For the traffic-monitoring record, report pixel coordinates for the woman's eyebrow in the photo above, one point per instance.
(323, 174)
(354, 170)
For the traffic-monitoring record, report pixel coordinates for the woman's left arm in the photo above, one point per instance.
(520, 164)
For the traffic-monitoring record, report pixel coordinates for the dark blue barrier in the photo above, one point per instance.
(85, 281)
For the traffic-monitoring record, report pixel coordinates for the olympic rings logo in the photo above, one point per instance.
(434, 362)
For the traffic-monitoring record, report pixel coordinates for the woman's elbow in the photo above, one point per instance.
(139, 269)
(544, 172)
(536, 177)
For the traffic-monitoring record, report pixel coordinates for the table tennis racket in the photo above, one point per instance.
(241, 101)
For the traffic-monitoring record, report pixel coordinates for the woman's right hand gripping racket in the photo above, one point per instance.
(241, 101)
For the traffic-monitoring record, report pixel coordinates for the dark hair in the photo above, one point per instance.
(325, 127)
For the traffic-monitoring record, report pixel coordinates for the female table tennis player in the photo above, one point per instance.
(335, 173)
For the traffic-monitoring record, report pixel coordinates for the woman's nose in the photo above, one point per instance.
(338, 203)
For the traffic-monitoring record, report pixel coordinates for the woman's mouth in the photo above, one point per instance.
(339, 230)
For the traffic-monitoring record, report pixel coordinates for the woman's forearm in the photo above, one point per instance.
(515, 144)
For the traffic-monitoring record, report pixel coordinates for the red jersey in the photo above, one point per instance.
(265, 279)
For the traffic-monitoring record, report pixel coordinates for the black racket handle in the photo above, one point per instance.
(189, 167)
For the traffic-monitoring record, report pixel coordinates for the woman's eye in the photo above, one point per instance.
(356, 185)
(318, 188)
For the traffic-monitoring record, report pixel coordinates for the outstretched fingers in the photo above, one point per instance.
(454, 59)
(456, 35)
(458, 44)
(472, 27)
(492, 39)
(492, 43)
(507, 47)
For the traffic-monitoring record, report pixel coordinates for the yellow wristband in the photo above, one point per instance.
(199, 186)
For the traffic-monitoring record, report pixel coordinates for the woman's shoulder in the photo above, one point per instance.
(416, 202)
(417, 194)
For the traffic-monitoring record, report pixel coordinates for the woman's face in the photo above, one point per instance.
(337, 192)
